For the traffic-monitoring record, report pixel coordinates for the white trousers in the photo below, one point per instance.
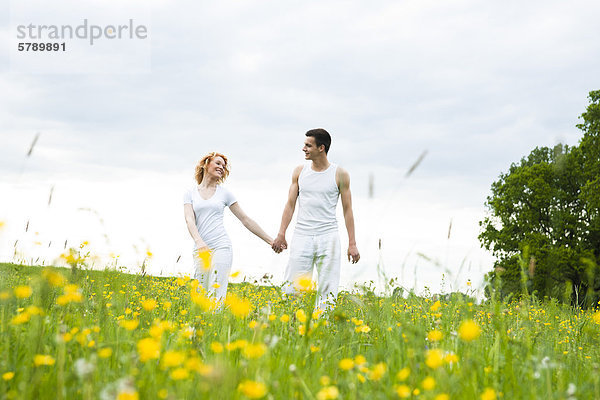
(215, 278)
(322, 252)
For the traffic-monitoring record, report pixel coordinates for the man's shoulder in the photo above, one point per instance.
(342, 177)
(341, 171)
(297, 170)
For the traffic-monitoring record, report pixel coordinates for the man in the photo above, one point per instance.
(317, 186)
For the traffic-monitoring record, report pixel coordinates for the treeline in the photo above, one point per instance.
(543, 222)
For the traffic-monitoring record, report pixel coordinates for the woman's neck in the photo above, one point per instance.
(208, 182)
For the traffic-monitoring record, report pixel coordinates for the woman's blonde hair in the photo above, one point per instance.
(203, 163)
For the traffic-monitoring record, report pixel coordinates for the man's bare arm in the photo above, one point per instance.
(280, 243)
(346, 195)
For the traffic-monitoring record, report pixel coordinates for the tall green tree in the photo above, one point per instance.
(543, 221)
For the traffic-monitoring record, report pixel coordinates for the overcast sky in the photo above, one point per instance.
(476, 84)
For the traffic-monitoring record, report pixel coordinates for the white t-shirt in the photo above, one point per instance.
(209, 215)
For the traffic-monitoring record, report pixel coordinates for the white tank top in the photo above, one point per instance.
(317, 200)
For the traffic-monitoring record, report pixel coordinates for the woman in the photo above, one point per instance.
(203, 208)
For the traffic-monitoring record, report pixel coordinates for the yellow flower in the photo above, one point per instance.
(314, 349)
(377, 372)
(488, 394)
(469, 330)
(42, 359)
(403, 374)
(272, 317)
(328, 392)
(434, 358)
(216, 347)
(33, 310)
(238, 344)
(129, 324)
(363, 329)
(179, 373)
(442, 396)
(254, 350)
(360, 360)
(285, 318)
(72, 257)
(361, 378)
(324, 380)
(253, 324)
(301, 330)
(187, 332)
(72, 295)
(301, 316)
(238, 307)
(7, 376)
(252, 389)
(149, 304)
(105, 352)
(194, 364)
(235, 274)
(346, 364)
(21, 318)
(304, 283)
(53, 278)
(596, 317)
(148, 349)
(435, 336)
(149, 254)
(206, 303)
(128, 394)
(156, 331)
(23, 292)
(436, 306)
(163, 393)
(403, 391)
(205, 259)
(428, 383)
(451, 358)
(172, 358)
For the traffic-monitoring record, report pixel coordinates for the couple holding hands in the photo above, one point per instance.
(316, 186)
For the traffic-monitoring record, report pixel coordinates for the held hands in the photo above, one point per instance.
(279, 244)
(353, 254)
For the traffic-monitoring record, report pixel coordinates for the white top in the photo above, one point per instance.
(209, 215)
(317, 200)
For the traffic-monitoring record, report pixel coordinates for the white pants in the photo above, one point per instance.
(215, 278)
(322, 251)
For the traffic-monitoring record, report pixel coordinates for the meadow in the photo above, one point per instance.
(88, 334)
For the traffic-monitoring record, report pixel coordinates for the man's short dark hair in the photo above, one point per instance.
(321, 136)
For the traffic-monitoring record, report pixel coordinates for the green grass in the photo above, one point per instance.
(526, 350)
